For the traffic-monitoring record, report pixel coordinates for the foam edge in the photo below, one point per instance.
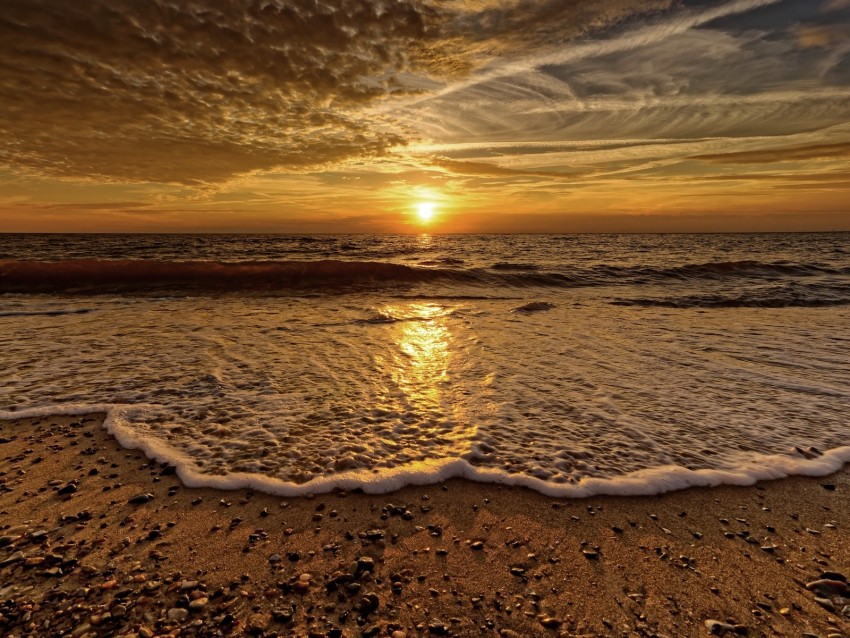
(649, 482)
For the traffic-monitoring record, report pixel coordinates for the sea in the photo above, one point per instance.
(573, 365)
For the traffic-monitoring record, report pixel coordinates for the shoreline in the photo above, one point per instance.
(808, 462)
(459, 558)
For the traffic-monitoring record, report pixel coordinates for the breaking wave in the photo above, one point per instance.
(96, 276)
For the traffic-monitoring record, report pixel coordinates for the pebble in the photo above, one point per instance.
(827, 588)
(140, 499)
(718, 628)
(198, 604)
(177, 614)
(14, 558)
(70, 488)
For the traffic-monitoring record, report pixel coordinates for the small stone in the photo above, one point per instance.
(8, 539)
(70, 488)
(140, 499)
(717, 628)
(177, 614)
(14, 558)
(477, 545)
(365, 564)
(828, 588)
(368, 604)
(590, 554)
(198, 604)
(275, 558)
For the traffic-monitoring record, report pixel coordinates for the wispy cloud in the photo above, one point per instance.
(786, 154)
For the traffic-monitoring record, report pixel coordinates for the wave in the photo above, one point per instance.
(750, 268)
(649, 482)
(534, 306)
(507, 265)
(94, 276)
(731, 302)
(786, 296)
(44, 313)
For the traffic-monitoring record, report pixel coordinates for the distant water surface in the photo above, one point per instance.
(574, 364)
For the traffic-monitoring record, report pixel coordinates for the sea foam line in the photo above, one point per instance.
(648, 482)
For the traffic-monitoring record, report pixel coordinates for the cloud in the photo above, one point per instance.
(197, 91)
(822, 35)
(784, 154)
(484, 169)
(630, 40)
(512, 98)
(835, 5)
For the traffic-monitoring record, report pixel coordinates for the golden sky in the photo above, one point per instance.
(355, 115)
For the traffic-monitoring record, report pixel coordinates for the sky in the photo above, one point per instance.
(313, 116)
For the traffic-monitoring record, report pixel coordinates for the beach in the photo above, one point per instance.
(97, 540)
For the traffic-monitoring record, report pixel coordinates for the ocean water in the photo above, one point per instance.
(571, 364)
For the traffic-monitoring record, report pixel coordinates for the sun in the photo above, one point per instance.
(425, 211)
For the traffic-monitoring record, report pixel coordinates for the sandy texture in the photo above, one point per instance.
(458, 559)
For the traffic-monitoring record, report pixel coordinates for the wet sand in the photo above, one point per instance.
(96, 540)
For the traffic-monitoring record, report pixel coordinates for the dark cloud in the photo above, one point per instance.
(514, 24)
(785, 154)
(197, 91)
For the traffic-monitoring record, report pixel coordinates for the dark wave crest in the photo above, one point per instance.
(717, 271)
(780, 297)
(92, 276)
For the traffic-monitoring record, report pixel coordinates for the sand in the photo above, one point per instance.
(457, 559)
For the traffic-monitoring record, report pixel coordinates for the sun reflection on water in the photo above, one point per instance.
(424, 355)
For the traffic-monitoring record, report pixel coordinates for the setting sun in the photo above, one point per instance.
(425, 212)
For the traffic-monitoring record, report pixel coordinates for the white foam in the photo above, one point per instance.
(748, 470)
